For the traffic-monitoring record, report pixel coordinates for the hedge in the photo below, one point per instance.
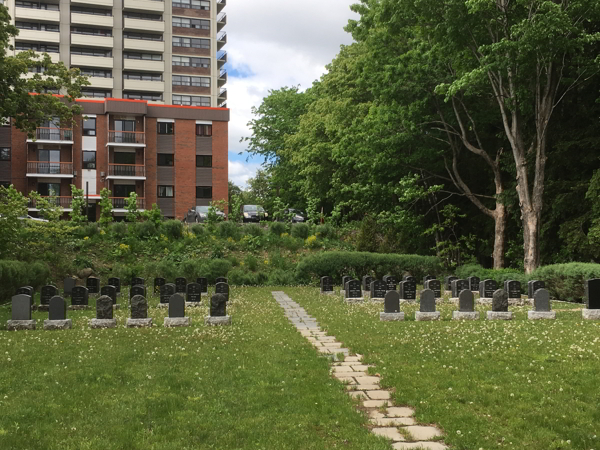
(499, 275)
(15, 274)
(567, 281)
(358, 264)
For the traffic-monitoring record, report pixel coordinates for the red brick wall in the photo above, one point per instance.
(188, 12)
(77, 149)
(18, 166)
(101, 151)
(185, 166)
(150, 191)
(220, 171)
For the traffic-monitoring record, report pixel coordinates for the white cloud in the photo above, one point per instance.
(240, 172)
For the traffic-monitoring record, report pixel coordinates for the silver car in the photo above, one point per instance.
(202, 212)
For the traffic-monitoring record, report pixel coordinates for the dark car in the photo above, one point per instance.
(202, 212)
(254, 213)
(293, 215)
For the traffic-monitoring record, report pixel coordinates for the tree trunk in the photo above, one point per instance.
(500, 219)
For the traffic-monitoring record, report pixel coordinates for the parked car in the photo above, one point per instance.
(35, 219)
(202, 212)
(293, 215)
(254, 213)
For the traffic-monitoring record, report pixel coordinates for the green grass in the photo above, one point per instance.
(489, 385)
(255, 385)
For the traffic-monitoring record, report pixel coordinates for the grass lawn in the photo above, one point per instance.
(255, 385)
(489, 385)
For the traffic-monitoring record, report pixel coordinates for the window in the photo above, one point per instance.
(5, 154)
(125, 158)
(190, 100)
(48, 189)
(89, 160)
(98, 73)
(165, 159)
(143, 36)
(94, 93)
(182, 80)
(123, 191)
(142, 16)
(203, 161)
(89, 127)
(151, 96)
(37, 26)
(5, 184)
(92, 11)
(192, 4)
(142, 76)
(37, 69)
(91, 52)
(37, 47)
(48, 162)
(34, 5)
(165, 127)
(166, 191)
(146, 56)
(91, 31)
(191, 42)
(191, 62)
(203, 130)
(185, 22)
(203, 191)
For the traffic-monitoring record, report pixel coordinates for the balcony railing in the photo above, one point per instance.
(63, 202)
(223, 93)
(127, 170)
(222, 17)
(51, 168)
(222, 36)
(121, 202)
(223, 73)
(127, 137)
(54, 134)
(222, 55)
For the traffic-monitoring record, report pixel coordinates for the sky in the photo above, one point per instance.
(271, 44)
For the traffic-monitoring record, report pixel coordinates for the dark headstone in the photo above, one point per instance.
(138, 281)
(166, 290)
(500, 300)
(139, 307)
(48, 292)
(116, 282)
(435, 286)
(177, 306)
(541, 300)
(487, 288)
(426, 278)
(68, 285)
(21, 307)
(353, 289)
(378, 289)
(427, 301)
(180, 285)
(138, 289)
(57, 309)
(392, 302)
(533, 286)
(513, 288)
(592, 293)
(203, 282)
(93, 285)
(474, 283)
(222, 288)
(110, 291)
(104, 307)
(366, 282)
(79, 296)
(194, 293)
(466, 302)
(458, 286)
(26, 290)
(391, 282)
(218, 305)
(448, 282)
(409, 278)
(345, 279)
(326, 284)
(158, 282)
(221, 280)
(408, 290)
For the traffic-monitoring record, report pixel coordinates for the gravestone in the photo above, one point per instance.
(194, 293)
(93, 285)
(408, 290)
(353, 291)
(138, 281)
(592, 300)
(458, 286)
(345, 279)
(513, 288)
(474, 283)
(366, 282)
(109, 291)
(20, 314)
(116, 282)
(203, 282)
(435, 286)
(221, 280)
(57, 315)
(466, 306)
(377, 290)
(26, 290)
(218, 311)
(448, 282)
(177, 312)
(166, 290)
(138, 289)
(158, 282)
(426, 278)
(409, 278)
(542, 307)
(534, 285)
(180, 285)
(79, 297)
(222, 288)
(487, 288)
(427, 307)
(47, 293)
(68, 285)
(326, 285)
(104, 313)
(391, 307)
(391, 282)
(139, 313)
(499, 306)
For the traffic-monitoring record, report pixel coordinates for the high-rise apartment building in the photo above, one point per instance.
(155, 121)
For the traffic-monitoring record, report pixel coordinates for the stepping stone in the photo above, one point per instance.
(389, 433)
(352, 359)
(345, 379)
(423, 433)
(393, 421)
(343, 369)
(357, 394)
(378, 395)
(399, 411)
(419, 445)
(375, 414)
(364, 387)
(367, 380)
(376, 403)
(360, 367)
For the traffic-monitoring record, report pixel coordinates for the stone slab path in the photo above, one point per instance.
(392, 422)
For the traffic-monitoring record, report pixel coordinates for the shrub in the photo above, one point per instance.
(300, 230)
(251, 263)
(173, 229)
(312, 242)
(119, 229)
(367, 239)
(277, 228)
(216, 268)
(499, 275)
(145, 230)
(14, 274)
(90, 230)
(290, 243)
(253, 230)
(198, 230)
(325, 231)
(228, 230)
(280, 277)
(241, 277)
(567, 281)
(357, 264)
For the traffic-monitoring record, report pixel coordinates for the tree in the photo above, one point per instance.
(13, 205)
(132, 210)
(25, 99)
(49, 207)
(106, 207)
(77, 205)
(233, 190)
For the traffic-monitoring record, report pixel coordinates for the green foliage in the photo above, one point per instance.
(153, 215)
(312, 242)
(277, 210)
(325, 231)
(198, 230)
(567, 281)
(173, 229)
(13, 204)
(300, 231)
(277, 228)
(251, 263)
(119, 229)
(367, 239)
(89, 230)
(131, 207)
(106, 206)
(14, 274)
(77, 205)
(49, 206)
(146, 230)
(499, 275)
(241, 277)
(235, 210)
(229, 229)
(253, 230)
(279, 277)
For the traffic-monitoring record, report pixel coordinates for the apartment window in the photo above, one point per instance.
(123, 191)
(48, 189)
(186, 22)
(203, 130)
(192, 4)
(203, 191)
(165, 159)
(37, 26)
(191, 62)
(191, 42)
(36, 47)
(203, 161)
(143, 36)
(183, 80)
(91, 11)
(166, 191)
(89, 127)
(165, 127)
(5, 154)
(142, 76)
(92, 31)
(132, 15)
(95, 93)
(97, 73)
(34, 5)
(145, 56)
(152, 96)
(190, 100)
(89, 160)
(91, 52)
(124, 158)
(5, 184)
(37, 69)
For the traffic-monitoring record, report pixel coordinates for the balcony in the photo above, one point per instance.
(220, 5)
(100, 82)
(221, 41)
(126, 172)
(127, 138)
(145, 5)
(222, 77)
(142, 45)
(221, 21)
(121, 203)
(92, 61)
(143, 85)
(223, 94)
(221, 59)
(92, 3)
(48, 37)
(49, 169)
(37, 14)
(46, 135)
(88, 40)
(144, 25)
(143, 65)
(54, 57)
(92, 20)
(63, 202)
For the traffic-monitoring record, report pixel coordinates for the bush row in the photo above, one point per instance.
(14, 274)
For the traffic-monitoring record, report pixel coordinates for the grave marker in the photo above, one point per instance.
(513, 288)
(180, 285)
(391, 282)
(158, 282)
(391, 307)
(366, 282)
(93, 285)
(177, 312)
(203, 282)
(218, 311)
(427, 307)
(116, 282)
(466, 306)
(20, 314)
(139, 313)
(104, 313)
(378, 289)
(435, 286)
(534, 285)
(138, 289)
(57, 315)
(499, 306)
(474, 283)
(222, 288)
(68, 285)
(592, 300)
(109, 291)
(426, 278)
(47, 293)
(194, 293)
(448, 282)
(487, 288)
(408, 290)
(409, 278)
(138, 281)
(221, 280)
(458, 286)
(542, 307)
(326, 285)
(353, 291)
(26, 290)
(166, 290)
